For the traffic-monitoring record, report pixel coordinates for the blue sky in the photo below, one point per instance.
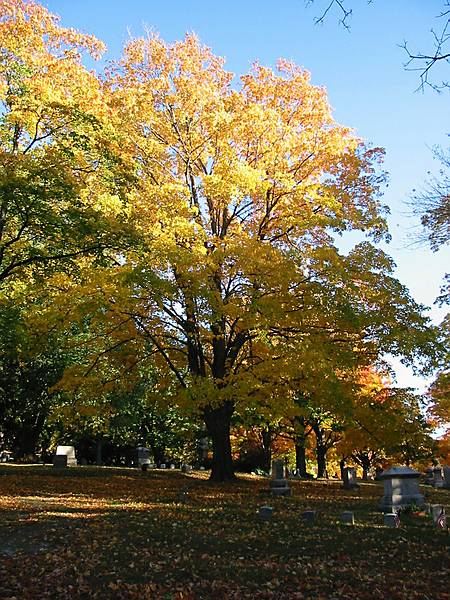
(362, 70)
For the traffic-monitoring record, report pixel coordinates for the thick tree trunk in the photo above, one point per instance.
(321, 461)
(217, 421)
(321, 452)
(365, 460)
(98, 454)
(300, 458)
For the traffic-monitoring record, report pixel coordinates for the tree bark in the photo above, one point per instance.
(266, 437)
(217, 421)
(300, 458)
(321, 461)
(321, 452)
(98, 456)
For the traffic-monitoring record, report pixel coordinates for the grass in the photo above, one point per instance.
(119, 533)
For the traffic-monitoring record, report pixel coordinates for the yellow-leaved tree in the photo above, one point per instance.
(232, 285)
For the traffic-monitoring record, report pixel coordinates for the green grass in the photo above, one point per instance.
(120, 533)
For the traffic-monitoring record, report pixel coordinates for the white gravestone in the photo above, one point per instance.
(401, 489)
(69, 453)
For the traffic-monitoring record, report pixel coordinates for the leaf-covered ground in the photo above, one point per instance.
(120, 533)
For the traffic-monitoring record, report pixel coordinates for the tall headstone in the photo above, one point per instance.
(401, 489)
(279, 484)
(349, 478)
(65, 454)
(438, 480)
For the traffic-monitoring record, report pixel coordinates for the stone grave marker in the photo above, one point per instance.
(446, 478)
(186, 468)
(401, 489)
(347, 517)
(279, 484)
(349, 481)
(266, 512)
(143, 457)
(429, 476)
(438, 480)
(391, 519)
(65, 457)
(60, 461)
(309, 516)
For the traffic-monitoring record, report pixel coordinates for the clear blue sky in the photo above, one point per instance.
(361, 69)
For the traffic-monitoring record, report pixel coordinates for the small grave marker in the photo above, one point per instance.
(347, 517)
(266, 512)
(391, 520)
(309, 516)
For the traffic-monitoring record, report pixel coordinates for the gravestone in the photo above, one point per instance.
(266, 512)
(279, 484)
(60, 461)
(429, 476)
(309, 516)
(401, 489)
(391, 520)
(349, 479)
(438, 480)
(447, 478)
(162, 466)
(69, 453)
(143, 457)
(347, 517)
(186, 468)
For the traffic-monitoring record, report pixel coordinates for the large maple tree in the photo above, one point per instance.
(234, 284)
(230, 282)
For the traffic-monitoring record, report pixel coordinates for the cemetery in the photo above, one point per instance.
(172, 534)
(217, 379)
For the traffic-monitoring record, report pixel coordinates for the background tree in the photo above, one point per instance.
(58, 198)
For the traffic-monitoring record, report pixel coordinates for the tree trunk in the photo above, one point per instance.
(321, 452)
(342, 467)
(321, 461)
(98, 454)
(217, 421)
(266, 437)
(300, 458)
